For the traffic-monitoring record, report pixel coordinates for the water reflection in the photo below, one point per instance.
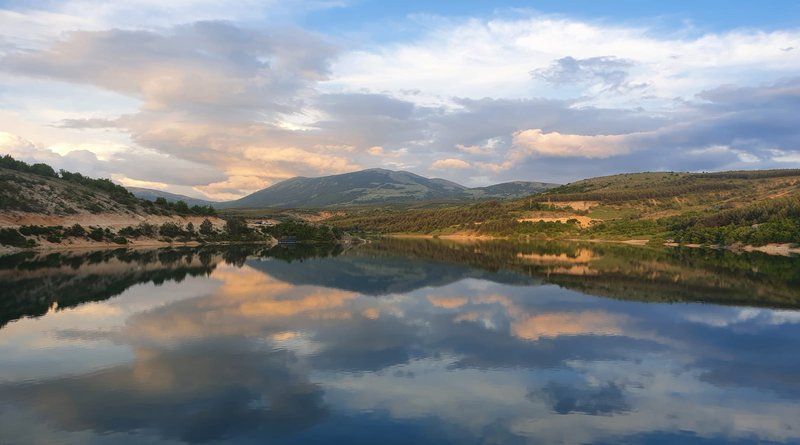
(400, 342)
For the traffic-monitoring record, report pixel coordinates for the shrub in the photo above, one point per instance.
(129, 232)
(94, 207)
(34, 230)
(147, 229)
(77, 231)
(53, 238)
(170, 230)
(97, 234)
(12, 237)
(120, 240)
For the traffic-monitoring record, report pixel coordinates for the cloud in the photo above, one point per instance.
(252, 105)
(606, 71)
(570, 145)
(205, 64)
(450, 163)
(607, 399)
(212, 95)
(465, 58)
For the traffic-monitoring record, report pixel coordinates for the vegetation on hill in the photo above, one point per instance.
(754, 207)
(235, 230)
(375, 187)
(38, 188)
(153, 195)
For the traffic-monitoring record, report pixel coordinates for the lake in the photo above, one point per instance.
(400, 342)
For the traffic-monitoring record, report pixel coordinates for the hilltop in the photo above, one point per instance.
(376, 187)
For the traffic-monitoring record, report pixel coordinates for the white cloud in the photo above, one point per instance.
(786, 156)
(493, 58)
(450, 163)
(536, 142)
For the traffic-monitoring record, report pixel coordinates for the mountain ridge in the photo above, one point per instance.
(376, 186)
(153, 194)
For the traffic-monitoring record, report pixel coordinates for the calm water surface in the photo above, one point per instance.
(406, 342)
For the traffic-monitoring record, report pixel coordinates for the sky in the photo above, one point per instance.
(217, 99)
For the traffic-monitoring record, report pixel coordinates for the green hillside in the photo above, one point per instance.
(375, 187)
(751, 207)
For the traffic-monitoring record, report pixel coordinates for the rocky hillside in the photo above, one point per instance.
(44, 208)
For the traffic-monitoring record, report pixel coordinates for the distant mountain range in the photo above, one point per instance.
(365, 187)
(152, 195)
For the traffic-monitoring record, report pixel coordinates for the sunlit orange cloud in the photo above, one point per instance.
(533, 327)
(284, 336)
(316, 301)
(243, 284)
(469, 316)
(567, 323)
(246, 301)
(371, 313)
(447, 302)
(535, 141)
(261, 295)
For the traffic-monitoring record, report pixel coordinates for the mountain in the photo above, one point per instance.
(375, 186)
(152, 194)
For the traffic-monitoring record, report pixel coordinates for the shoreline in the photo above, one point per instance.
(90, 246)
(774, 249)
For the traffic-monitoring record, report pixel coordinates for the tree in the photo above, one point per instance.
(190, 227)
(43, 170)
(181, 207)
(236, 226)
(206, 228)
(170, 229)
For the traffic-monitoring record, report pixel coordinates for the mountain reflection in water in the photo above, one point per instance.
(400, 341)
